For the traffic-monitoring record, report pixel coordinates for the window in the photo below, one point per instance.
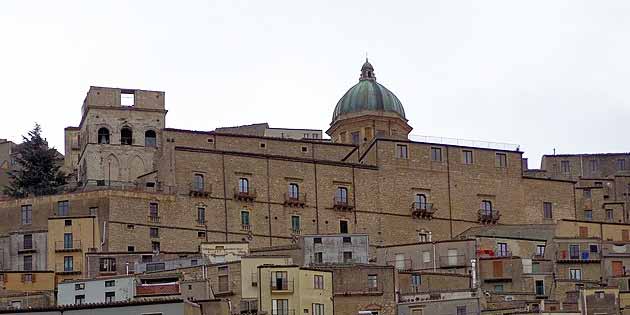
(501, 160)
(27, 277)
(436, 154)
(155, 246)
(153, 210)
(107, 264)
(280, 280)
(426, 256)
(583, 231)
(343, 226)
(421, 201)
(110, 297)
(126, 136)
(575, 274)
(67, 223)
(198, 183)
(402, 151)
(587, 193)
(110, 283)
(295, 223)
(201, 234)
(502, 249)
(547, 210)
(317, 240)
(94, 211)
(540, 287)
(304, 149)
(355, 137)
(245, 218)
(27, 214)
(609, 215)
(621, 165)
(79, 286)
(341, 196)
(588, 214)
(593, 248)
(368, 133)
(150, 139)
(318, 258)
(63, 208)
(467, 156)
(593, 165)
(154, 232)
(461, 310)
(498, 288)
(67, 241)
(103, 136)
(27, 263)
(201, 215)
(294, 191)
(318, 281)
(565, 166)
(131, 248)
(347, 257)
(243, 185)
(318, 309)
(400, 261)
(68, 263)
(486, 206)
(540, 250)
(280, 307)
(79, 299)
(574, 251)
(194, 262)
(27, 241)
(151, 267)
(416, 280)
(372, 281)
(347, 240)
(127, 97)
(423, 237)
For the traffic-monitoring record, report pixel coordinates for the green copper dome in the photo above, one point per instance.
(368, 95)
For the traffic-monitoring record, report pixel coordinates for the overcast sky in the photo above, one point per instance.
(542, 74)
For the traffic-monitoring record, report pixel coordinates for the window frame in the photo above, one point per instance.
(103, 136)
(243, 185)
(468, 157)
(501, 160)
(436, 154)
(402, 151)
(318, 282)
(26, 212)
(547, 210)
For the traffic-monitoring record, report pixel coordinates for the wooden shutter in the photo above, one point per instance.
(624, 235)
(497, 268)
(617, 268)
(583, 231)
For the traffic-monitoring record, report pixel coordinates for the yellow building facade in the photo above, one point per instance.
(69, 238)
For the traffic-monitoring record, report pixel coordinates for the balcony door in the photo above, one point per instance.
(280, 281)
(280, 307)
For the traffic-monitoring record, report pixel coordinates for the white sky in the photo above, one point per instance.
(543, 74)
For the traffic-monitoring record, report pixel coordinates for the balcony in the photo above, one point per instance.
(360, 288)
(422, 210)
(68, 269)
(63, 246)
(246, 227)
(281, 285)
(245, 195)
(26, 247)
(249, 307)
(201, 192)
(614, 250)
(584, 256)
(293, 200)
(488, 217)
(296, 231)
(342, 204)
(153, 219)
(453, 261)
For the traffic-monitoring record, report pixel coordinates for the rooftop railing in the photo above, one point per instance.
(466, 142)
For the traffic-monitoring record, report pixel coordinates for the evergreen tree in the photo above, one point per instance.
(38, 172)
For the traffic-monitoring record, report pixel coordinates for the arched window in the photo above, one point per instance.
(198, 183)
(243, 185)
(294, 191)
(342, 195)
(150, 139)
(103, 136)
(486, 206)
(421, 201)
(126, 136)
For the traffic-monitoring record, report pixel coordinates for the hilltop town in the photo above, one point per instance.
(260, 220)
